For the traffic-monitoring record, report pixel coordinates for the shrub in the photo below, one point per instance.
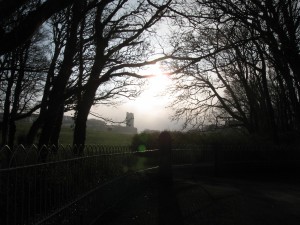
(145, 141)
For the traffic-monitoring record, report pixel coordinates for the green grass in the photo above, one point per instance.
(93, 137)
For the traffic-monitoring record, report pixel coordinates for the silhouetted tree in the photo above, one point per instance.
(277, 24)
(120, 47)
(34, 16)
(232, 58)
(58, 31)
(56, 96)
(23, 73)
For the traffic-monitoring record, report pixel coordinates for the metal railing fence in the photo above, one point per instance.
(30, 188)
(20, 155)
(34, 188)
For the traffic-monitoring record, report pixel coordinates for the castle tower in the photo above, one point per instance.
(129, 119)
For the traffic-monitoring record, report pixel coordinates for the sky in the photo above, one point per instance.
(150, 108)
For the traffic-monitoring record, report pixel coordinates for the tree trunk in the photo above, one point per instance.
(17, 93)
(84, 107)
(87, 98)
(284, 107)
(56, 97)
(28, 26)
(38, 123)
(12, 133)
(6, 113)
(32, 133)
(282, 65)
(272, 127)
(7, 104)
(57, 128)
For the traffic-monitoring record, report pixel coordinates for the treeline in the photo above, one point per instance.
(238, 60)
(66, 55)
(233, 137)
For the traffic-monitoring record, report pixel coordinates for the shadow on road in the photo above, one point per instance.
(168, 207)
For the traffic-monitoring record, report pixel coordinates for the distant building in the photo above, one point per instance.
(129, 119)
(128, 129)
(94, 124)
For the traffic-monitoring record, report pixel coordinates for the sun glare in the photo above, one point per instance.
(153, 97)
(159, 81)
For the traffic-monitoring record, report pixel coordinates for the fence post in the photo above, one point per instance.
(168, 207)
(165, 164)
(217, 159)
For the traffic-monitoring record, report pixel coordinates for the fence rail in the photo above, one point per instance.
(21, 155)
(33, 187)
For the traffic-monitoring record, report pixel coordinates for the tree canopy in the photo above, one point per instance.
(232, 61)
(237, 60)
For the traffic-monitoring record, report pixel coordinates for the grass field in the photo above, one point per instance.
(93, 137)
(97, 137)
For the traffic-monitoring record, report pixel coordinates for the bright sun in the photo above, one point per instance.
(159, 81)
(152, 97)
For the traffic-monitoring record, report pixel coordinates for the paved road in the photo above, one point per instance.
(222, 201)
(213, 201)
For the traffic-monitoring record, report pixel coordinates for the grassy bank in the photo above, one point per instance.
(93, 137)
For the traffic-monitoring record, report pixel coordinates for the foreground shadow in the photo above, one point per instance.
(168, 209)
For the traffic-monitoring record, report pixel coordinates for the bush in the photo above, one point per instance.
(145, 141)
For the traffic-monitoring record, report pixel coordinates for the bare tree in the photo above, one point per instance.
(277, 23)
(231, 57)
(36, 14)
(120, 47)
(55, 104)
(24, 72)
(57, 37)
